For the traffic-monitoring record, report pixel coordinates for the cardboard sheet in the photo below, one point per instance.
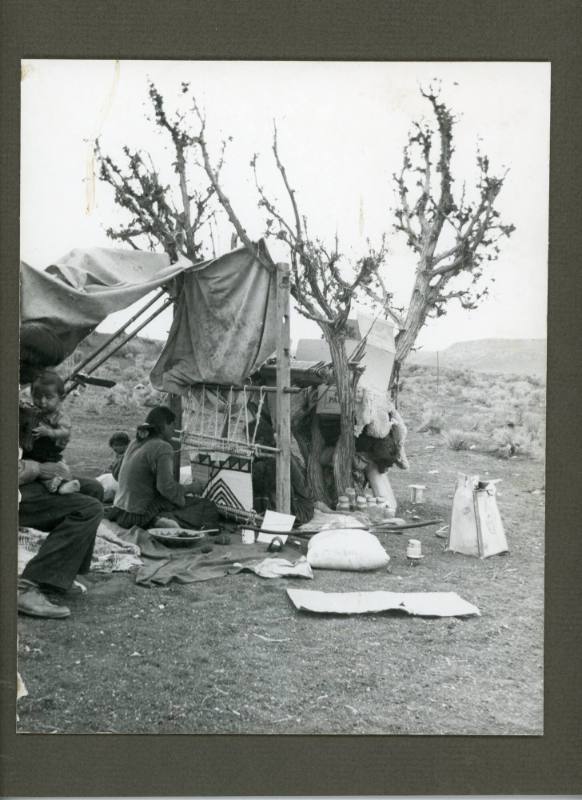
(275, 521)
(421, 604)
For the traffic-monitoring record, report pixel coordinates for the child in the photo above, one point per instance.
(44, 429)
(118, 443)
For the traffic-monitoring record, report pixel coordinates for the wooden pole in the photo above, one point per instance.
(175, 400)
(283, 397)
(175, 404)
(117, 334)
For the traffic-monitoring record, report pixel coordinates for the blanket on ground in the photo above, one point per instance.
(162, 564)
(136, 550)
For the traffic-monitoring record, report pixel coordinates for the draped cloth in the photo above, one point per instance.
(224, 323)
(76, 293)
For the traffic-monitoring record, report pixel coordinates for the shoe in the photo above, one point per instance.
(34, 603)
(69, 487)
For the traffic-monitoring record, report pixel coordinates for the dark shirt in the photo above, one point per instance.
(146, 477)
(43, 448)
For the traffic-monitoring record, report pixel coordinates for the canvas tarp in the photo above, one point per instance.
(75, 294)
(224, 324)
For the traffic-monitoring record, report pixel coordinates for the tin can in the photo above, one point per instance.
(414, 549)
(248, 537)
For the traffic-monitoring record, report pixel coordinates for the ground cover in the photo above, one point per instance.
(233, 656)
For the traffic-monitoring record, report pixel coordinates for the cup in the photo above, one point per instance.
(416, 493)
(414, 549)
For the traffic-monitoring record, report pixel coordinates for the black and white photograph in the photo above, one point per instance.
(282, 397)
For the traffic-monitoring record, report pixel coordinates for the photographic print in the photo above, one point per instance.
(282, 397)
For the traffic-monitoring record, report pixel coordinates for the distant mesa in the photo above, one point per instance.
(506, 356)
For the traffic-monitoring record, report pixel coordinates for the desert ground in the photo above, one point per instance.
(233, 655)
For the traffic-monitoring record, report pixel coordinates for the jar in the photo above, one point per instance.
(361, 503)
(351, 495)
(372, 509)
(343, 504)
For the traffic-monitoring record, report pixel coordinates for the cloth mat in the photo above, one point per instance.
(110, 554)
(120, 550)
(162, 564)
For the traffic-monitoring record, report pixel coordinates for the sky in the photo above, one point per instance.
(341, 126)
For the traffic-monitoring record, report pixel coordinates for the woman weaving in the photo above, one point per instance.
(148, 493)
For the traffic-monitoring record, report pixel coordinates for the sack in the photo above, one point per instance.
(350, 549)
(476, 527)
(110, 486)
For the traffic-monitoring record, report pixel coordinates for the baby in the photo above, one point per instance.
(45, 430)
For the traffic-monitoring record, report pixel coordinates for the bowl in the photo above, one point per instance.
(176, 537)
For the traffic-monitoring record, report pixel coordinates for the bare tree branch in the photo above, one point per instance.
(474, 225)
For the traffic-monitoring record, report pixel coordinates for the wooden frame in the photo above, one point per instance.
(283, 386)
(283, 431)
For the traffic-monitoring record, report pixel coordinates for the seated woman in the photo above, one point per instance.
(147, 487)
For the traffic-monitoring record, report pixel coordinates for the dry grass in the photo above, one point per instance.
(503, 415)
(207, 661)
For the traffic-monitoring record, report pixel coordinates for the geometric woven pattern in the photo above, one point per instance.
(229, 486)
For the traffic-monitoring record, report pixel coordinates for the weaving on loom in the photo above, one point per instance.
(219, 431)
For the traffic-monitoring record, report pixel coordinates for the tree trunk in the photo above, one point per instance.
(307, 433)
(415, 319)
(343, 457)
(314, 467)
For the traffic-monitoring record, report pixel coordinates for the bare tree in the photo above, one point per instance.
(323, 286)
(452, 239)
(178, 218)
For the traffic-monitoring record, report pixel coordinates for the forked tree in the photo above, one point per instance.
(175, 216)
(324, 285)
(453, 239)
